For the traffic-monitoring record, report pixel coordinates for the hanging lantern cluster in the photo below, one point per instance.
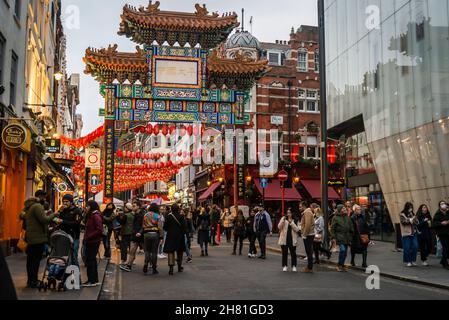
(168, 130)
(84, 141)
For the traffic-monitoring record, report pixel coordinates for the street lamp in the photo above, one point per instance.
(58, 76)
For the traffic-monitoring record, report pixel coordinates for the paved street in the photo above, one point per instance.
(222, 276)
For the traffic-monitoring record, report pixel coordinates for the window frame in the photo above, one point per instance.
(317, 60)
(300, 61)
(13, 78)
(278, 53)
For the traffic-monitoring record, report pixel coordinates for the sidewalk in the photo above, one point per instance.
(382, 254)
(17, 268)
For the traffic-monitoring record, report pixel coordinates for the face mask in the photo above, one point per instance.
(444, 206)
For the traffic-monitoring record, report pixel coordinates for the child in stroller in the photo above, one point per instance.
(57, 262)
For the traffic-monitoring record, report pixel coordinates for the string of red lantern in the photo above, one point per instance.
(83, 141)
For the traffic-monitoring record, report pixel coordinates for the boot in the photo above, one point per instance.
(155, 270)
(365, 256)
(180, 268)
(202, 253)
(234, 253)
(170, 272)
(353, 260)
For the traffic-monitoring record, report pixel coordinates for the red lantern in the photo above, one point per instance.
(172, 130)
(72, 151)
(136, 130)
(190, 130)
(164, 130)
(156, 130)
(138, 154)
(119, 153)
(142, 129)
(149, 129)
(128, 154)
(147, 156)
(331, 154)
(182, 132)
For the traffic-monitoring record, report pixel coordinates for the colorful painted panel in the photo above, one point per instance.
(174, 117)
(142, 115)
(225, 119)
(225, 95)
(211, 118)
(138, 92)
(177, 94)
(221, 95)
(159, 105)
(109, 160)
(177, 52)
(125, 104)
(209, 107)
(124, 114)
(176, 106)
(142, 104)
(225, 107)
(192, 106)
(126, 91)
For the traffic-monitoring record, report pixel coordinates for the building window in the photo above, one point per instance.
(2, 56)
(301, 105)
(311, 106)
(168, 142)
(302, 60)
(17, 8)
(13, 82)
(308, 100)
(317, 61)
(309, 147)
(274, 58)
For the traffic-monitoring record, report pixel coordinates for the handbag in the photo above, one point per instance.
(439, 254)
(22, 244)
(318, 238)
(364, 238)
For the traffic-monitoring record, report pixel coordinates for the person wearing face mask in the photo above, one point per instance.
(441, 225)
(425, 235)
(409, 223)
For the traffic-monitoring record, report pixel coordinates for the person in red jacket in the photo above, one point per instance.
(92, 238)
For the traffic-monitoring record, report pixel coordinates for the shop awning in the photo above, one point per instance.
(313, 187)
(209, 191)
(273, 192)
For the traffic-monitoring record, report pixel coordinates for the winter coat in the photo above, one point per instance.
(36, 222)
(307, 223)
(215, 218)
(250, 226)
(175, 225)
(94, 228)
(408, 224)
(126, 221)
(360, 227)
(424, 226)
(137, 226)
(227, 220)
(437, 219)
(71, 221)
(240, 226)
(342, 229)
(283, 229)
(203, 222)
(108, 218)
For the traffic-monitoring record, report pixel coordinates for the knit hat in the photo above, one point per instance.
(339, 207)
(129, 206)
(68, 197)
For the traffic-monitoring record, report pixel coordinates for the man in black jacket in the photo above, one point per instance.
(441, 225)
(215, 220)
(136, 236)
(71, 217)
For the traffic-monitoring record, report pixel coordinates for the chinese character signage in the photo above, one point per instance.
(109, 162)
(241, 182)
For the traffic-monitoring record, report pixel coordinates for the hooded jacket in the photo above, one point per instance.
(36, 222)
(342, 228)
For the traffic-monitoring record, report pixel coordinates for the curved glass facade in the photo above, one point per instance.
(388, 60)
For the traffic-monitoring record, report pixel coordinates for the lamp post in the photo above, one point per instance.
(289, 84)
(323, 103)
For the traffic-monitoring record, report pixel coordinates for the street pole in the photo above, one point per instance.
(289, 83)
(235, 173)
(263, 197)
(86, 189)
(323, 103)
(283, 197)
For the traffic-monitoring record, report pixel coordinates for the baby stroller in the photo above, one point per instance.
(57, 262)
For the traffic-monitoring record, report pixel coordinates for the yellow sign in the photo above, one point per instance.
(16, 136)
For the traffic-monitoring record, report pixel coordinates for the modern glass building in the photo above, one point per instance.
(388, 99)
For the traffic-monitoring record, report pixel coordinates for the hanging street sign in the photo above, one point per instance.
(263, 183)
(14, 136)
(53, 146)
(94, 180)
(93, 158)
(282, 175)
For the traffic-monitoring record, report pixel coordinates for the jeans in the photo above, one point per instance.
(343, 254)
(107, 244)
(151, 243)
(410, 246)
(91, 261)
(34, 255)
(262, 237)
(285, 250)
(124, 244)
(187, 243)
(161, 246)
(252, 243)
(308, 245)
(425, 245)
(76, 247)
(444, 239)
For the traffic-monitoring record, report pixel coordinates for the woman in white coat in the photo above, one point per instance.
(288, 239)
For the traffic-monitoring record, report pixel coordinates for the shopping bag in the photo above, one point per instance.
(22, 245)
(439, 250)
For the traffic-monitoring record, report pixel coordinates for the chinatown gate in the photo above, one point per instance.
(179, 75)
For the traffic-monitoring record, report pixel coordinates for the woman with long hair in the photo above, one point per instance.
(203, 227)
(239, 232)
(288, 239)
(425, 235)
(92, 239)
(409, 224)
(319, 236)
(108, 217)
(175, 225)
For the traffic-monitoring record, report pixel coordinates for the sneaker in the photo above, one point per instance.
(340, 269)
(284, 269)
(414, 264)
(125, 267)
(189, 260)
(425, 264)
(409, 265)
(253, 256)
(294, 269)
(161, 256)
(250, 255)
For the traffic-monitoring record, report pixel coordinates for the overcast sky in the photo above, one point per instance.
(100, 19)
